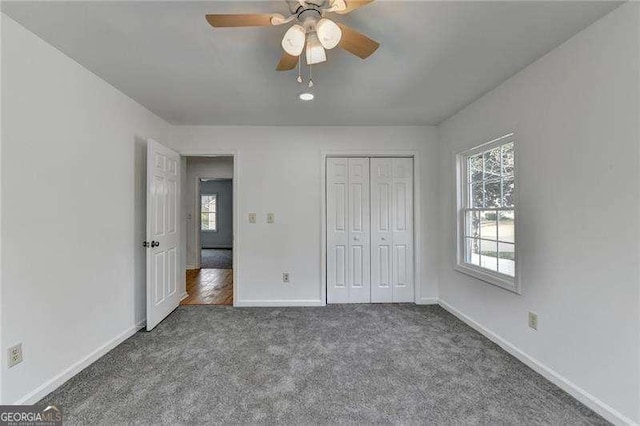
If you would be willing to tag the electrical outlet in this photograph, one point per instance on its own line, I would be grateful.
(252, 218)
(271, 217)
(533, 320)
(15, 355)
(285, 277)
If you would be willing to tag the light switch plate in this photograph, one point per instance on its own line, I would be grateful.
(252, 218)
(15, 355)
(271, 217)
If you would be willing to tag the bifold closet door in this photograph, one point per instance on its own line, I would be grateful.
(392, 230)
(348, 231)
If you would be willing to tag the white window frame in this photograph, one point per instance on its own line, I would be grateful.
(492, 277)
(215, 194)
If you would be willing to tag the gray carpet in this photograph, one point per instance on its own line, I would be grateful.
(335, 364)
(216, 259)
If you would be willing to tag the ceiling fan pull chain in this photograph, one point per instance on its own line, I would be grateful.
(310, 79)
(299, 71)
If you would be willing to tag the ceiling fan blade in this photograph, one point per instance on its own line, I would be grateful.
(255, 20)
(287, 62)
(352, 5)
(354, 42)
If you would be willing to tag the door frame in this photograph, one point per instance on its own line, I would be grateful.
(235, 213)
(196, 212)
(417, 217)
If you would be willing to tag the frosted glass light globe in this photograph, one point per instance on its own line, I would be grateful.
(315, 51)
(293, 40)
(329, 33)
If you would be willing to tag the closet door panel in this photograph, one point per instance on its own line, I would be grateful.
(402, 229)
(381, 230)
(337, 230)
(358, 214)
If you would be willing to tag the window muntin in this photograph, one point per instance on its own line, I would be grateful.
(209, 212)
(487, 219)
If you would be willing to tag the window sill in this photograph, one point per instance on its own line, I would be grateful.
(208, 230)
(497, 279)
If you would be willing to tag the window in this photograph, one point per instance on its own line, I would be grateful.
(486, 208)
(209, 212)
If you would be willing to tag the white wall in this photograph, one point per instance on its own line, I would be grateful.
(200, 167)
(280, 172)
(73, 273)
(575, 114)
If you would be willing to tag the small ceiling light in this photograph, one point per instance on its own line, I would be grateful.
(315, 51)
(293, 40)
(329, 33)
(306, 96)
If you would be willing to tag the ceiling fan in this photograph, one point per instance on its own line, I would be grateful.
(312, 32)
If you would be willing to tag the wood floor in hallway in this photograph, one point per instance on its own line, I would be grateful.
(209, 287)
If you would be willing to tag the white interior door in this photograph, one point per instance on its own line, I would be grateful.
(370, 230)
(337, 235)
(348, 235)
(359, 237)
(402, 230)
(381, 230)
(163, 232)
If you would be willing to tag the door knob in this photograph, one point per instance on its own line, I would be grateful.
(356, 239)
(155, 244)
(384, 239)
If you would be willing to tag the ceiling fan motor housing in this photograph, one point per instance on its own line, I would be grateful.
(296, 6)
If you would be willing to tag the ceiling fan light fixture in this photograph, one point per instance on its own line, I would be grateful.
(315, 51)
(329, 33)
(293, 40)
(306, 97)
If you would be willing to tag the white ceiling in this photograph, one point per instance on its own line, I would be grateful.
(436, 57)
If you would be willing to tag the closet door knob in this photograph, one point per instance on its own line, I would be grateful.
(356, 239)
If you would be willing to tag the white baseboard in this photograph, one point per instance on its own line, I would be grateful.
(277, 303)
(428, 301)
(192, 267)
(184, 296)
(554, 377)
(57, 381)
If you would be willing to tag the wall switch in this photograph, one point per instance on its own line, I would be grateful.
(271, 217)
(285, 277)
(252, 218)
(15, 355)
(533, 320)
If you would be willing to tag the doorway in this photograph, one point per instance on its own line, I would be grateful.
(209, 275)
